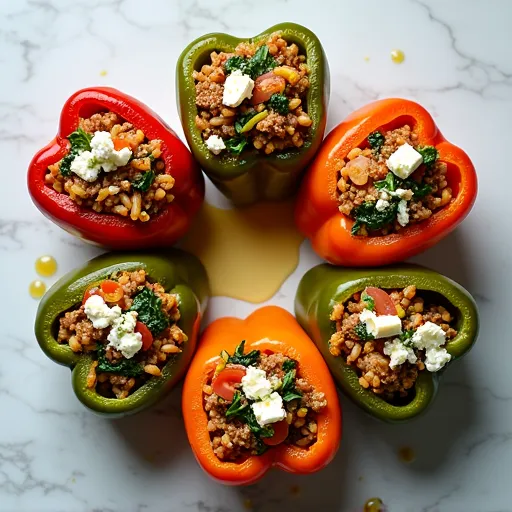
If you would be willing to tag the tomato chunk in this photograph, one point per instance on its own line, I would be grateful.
(120, 143)
(224, 382)
(91, 290)
(266, 85)
(280, 433)
(383, 303)
(147, 337)
(112, 291)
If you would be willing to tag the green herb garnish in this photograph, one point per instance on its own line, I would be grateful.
(234, 63)
(279, 103)
(362, 332)
(368, 215)
(239, 357)
(236, 144)
(125, 367)
(258, 65)
(376, 140)
(392, 183)
(149, 308)
(144, 181)
(236, 408)
(289, 364)
(429, 155)
(80, 141)
(288, 390)
(418, 189)
(406, 337)
(388, 183)
(368, 299)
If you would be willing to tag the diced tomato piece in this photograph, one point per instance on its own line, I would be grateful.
(120, 143)
(280, 433)
(147, 337)
(92, 290)
(112, 291)
(224, 382)
(383, 303)
(266, 85)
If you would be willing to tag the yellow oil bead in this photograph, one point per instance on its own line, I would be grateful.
(373, 505)
(397, 56)
(46, 266)
(37, 289)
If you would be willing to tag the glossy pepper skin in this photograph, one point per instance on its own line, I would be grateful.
(317, 213)
(107, 229)
(324, 286)
(251, 176)
(178, 271)
(226, 333)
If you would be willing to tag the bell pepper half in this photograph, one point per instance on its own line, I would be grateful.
(317, 213)
(179, 272)
(267, 329)
(324, 286)
(252, 176)
(112, 230)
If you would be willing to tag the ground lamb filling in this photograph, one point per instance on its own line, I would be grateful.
(112, 374)
(138, 188)
(372, 358)
(380, 202)
(235, 431)
(273, 114)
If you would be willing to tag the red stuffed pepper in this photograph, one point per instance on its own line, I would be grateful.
(116, 174)
(384, 186)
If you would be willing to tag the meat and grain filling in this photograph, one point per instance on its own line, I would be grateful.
(364, 179)
(137, 189)
(236, 437)
(372, 358)
(275, 116)
(112, 374)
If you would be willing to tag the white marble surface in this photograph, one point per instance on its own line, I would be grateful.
(56, 456)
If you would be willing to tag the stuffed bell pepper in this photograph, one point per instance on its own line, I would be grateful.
(387, 334)
(258, 394)
(127, 326)
(385, 185)
(116, 174)
(254, 110)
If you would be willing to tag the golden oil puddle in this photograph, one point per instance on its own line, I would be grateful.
(46, 266)
(374, 505)
(37, 289)
(397, 56)
(406, 454)
(249, 252)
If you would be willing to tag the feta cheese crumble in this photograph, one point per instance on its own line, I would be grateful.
(215, 144)
(403, 213)
(398, 353)
(269, 410)
(436, 358)
(255, 384)
(404, 161)
(99, 313)
(429, 335)
(84, 166)
(381, 205)
(122, 336)
(237, 88)
(382, 326)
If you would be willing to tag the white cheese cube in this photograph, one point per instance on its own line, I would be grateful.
(436, 358)
(215, 144)
(237, 88)
(403, 213)
(269, 410)
(398, 353)
(99, 313)
(255, 384)
(404, 161)
(382, 326)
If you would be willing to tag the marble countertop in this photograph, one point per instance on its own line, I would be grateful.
(56, 456)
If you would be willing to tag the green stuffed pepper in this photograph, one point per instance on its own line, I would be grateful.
(126, 324)
(254, 110)
(387, 334)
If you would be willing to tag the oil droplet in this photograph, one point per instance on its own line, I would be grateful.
(374, 505)
(248, 253)
(37, 289)
(367, 59)
(46, 266)
(406, 454)
(397, 56)
(103, 72)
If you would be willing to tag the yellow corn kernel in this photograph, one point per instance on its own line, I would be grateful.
(301, 413)
(400, 311)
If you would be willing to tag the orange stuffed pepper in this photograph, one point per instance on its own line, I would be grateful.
(384, 186)
(259, 394)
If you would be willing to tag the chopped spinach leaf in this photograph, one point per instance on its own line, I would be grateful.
(125, 367)
(376, 140)
(368, 215)
(80, 140)
(239, 357)
(243, 120)
(406, 336)
(259, 64)
(429, 155)
(288, 390)
(389, 182)
(289, 364)
(362, 332)
(65, 164)
(234, 63)
(392, 183)
(246, 414)
(144, 181)
(149, 308)
(279, 103)
(236, 144)
(418, 189)
(370, 303)
(236, 408)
